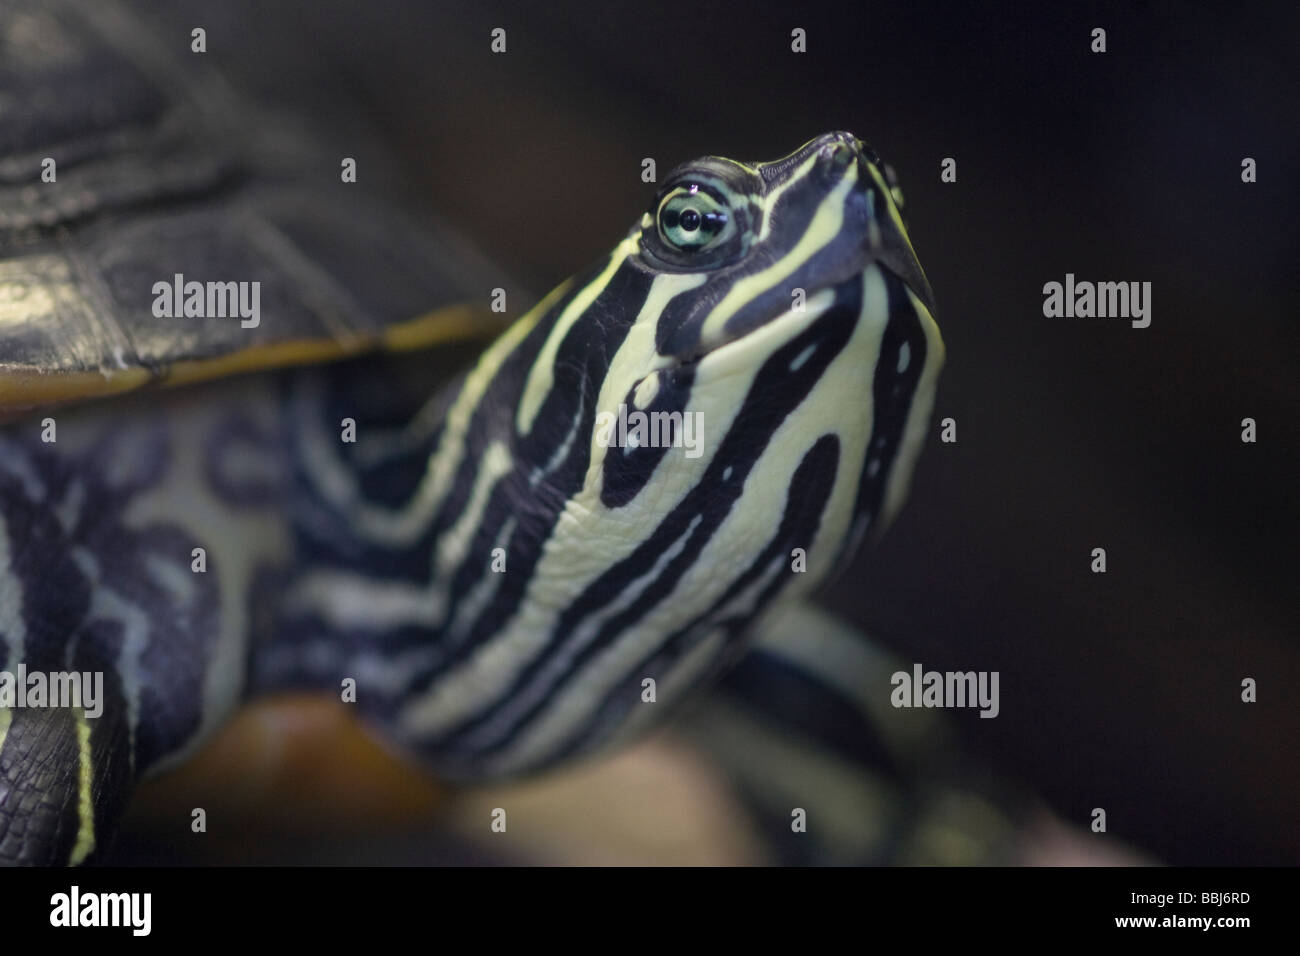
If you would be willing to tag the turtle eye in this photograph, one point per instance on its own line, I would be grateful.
(690, 219)
(697, 222)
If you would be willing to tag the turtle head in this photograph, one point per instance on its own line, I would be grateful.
(780, 308)
(745, 246)
(707, 419)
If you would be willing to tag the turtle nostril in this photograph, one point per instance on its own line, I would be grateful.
(838, 154)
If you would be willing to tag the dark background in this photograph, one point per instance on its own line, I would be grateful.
(1120, 690)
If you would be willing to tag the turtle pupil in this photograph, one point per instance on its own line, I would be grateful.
(690, 220)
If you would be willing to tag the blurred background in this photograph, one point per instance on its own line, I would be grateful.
(1120, 690)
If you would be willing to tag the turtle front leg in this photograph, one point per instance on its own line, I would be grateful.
(130, 546)
(64, 779)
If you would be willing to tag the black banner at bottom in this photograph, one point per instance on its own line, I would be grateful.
(338, 904)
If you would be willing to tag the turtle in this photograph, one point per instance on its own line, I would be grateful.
(266, 430)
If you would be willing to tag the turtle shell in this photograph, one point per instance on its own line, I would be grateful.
(165, 178)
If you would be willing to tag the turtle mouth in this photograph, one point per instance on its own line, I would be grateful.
(894, 252)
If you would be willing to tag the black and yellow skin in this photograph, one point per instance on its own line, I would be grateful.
(625, 564)
(496, 578)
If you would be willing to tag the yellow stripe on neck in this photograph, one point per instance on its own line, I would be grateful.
(85, 844)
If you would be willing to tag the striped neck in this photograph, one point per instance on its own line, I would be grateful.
(561, 566)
